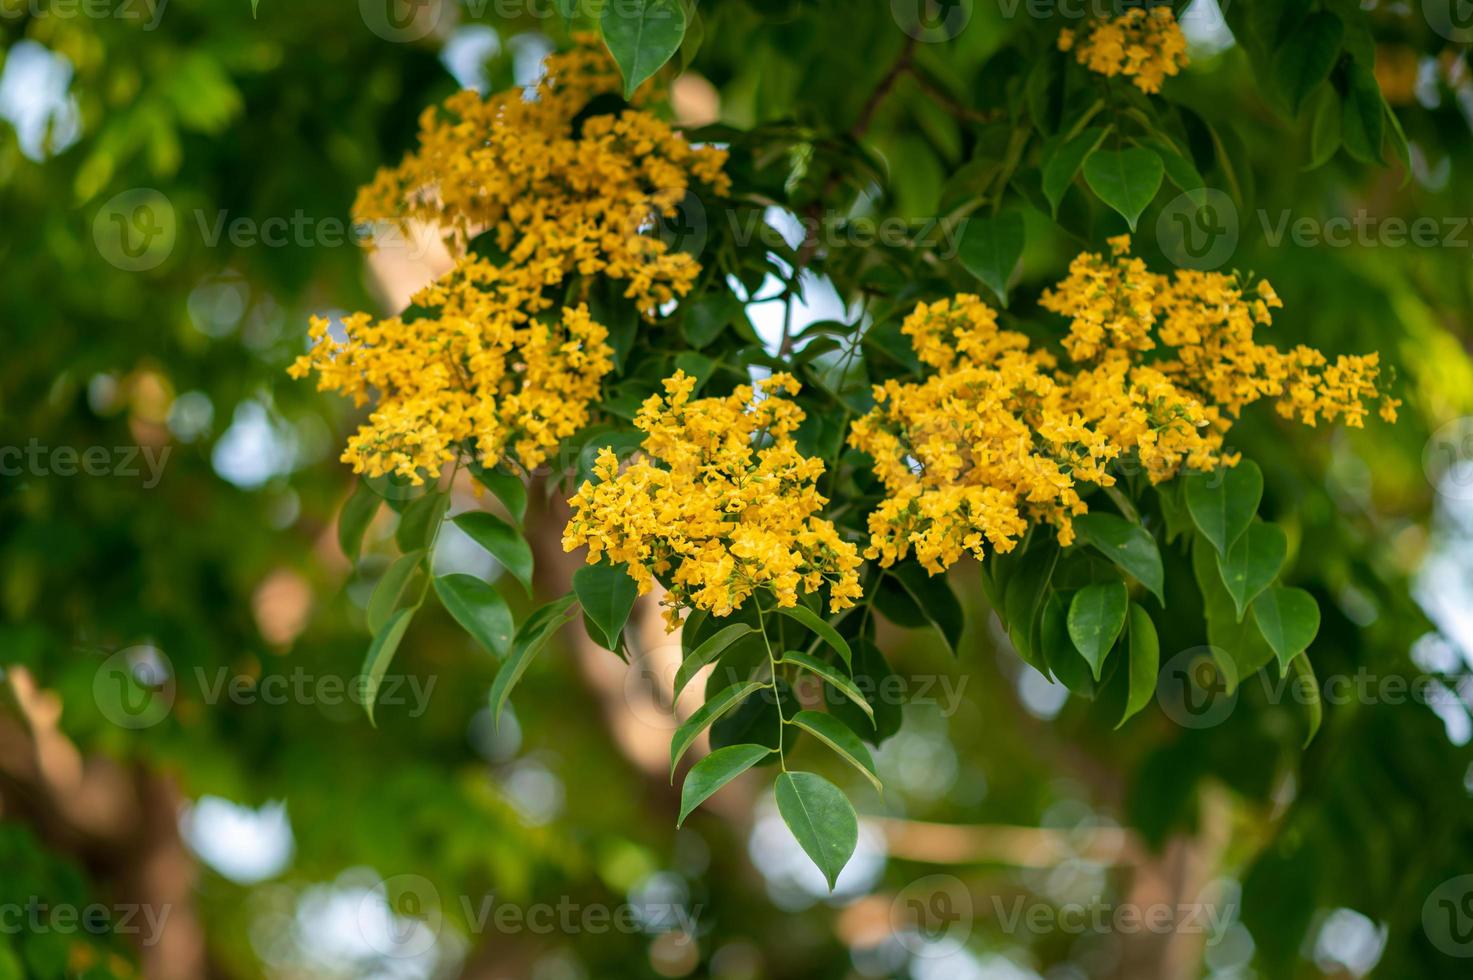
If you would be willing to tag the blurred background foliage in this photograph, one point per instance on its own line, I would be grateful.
(268, 830)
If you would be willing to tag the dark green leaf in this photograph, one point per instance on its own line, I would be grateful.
(1303, 60)
(479, 609)
(714, 772)
(642, 35)
(821, 819)
(1363, 115)
(708, 651)
(420, 520)
(1096, 617)
(827, 633)
(1145, 661)
(933, 596)
(607, 594)
(1222, 503)
(1066, 662)
(1126, 180)
(990, 250)
(505, 543)
(1063, 164)
(1127, 544)
(1289, 619)
(357, 513)
(380, 654)
(505, 487)
(833, 676)
(1304, 674)
(716, 706)
(529, 641)
(841, 738)
(1252, 563)
(391, 588)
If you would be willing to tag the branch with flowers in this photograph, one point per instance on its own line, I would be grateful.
(780, 498)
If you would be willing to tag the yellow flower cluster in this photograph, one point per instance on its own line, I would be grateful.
(473, 365)
(550, 189)
(1145, 46)
(482, 356)
(1001, 436)
(719, 504)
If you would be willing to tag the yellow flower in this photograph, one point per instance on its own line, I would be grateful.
(719, 504)
(1143, 46)
(1000, 436)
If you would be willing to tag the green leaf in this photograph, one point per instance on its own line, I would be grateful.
(705, 318)
(990, 249)
(505, 543)
(529, 641)
(1127, 544)
(1222, 503)
(418, 523)
(708, 651)
(833, 676)
(1324, 134)
(1252, 563)
(380, 654)
(1289, 619)
(642, 35)
(1303, 60)
(714, 772)
(357, 513)
(1363, 115)
(607, 594)
(934, 597)
(390, 589)
(505, 487)
(479, 609)
(1145, 661)
(1024, 598)
(1063, 164)
(1066, 662)
(1096, 617)
(1180, 170)
(872, 674)
(1304, 672)
(1126, 180)
(827, 633)
(841, 738)
(715, 706)
(821, 819)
